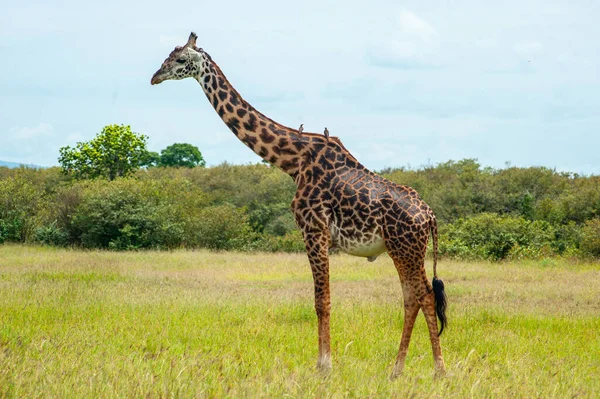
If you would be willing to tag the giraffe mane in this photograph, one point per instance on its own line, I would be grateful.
(232, 88)
(175, 50)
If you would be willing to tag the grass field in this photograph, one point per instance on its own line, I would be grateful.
(200, 324)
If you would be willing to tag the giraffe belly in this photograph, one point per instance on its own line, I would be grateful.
(368, 245)
(371, 249)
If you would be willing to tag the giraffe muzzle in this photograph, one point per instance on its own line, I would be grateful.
(157, 78)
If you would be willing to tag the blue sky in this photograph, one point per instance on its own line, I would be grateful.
(400, 82)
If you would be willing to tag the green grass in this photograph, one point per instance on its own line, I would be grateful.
(199, 324)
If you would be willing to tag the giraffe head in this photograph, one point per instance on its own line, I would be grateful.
(183, 62)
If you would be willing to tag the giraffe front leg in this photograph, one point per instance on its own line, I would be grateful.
(316, 246)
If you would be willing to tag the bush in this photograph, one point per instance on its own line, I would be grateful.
(121, 215)
(265, 192)
(20, 200)
(63, 206)
(494, 237)
(567, 238)
(484, 213)
(51, 235)
(224, 227)
(282, 225)
(590, 238)
(291, 242)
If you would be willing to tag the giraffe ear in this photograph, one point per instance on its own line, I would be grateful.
(192, 40)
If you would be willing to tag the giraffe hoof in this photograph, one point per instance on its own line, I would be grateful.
(440, 373)
(396, 372)
(324, 364)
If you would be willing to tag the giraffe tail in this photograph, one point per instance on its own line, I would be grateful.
(441, 301)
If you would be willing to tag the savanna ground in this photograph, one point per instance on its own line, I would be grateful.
(201, 324)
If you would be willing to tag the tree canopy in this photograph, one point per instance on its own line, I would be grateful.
(116, 151)
(181, 155)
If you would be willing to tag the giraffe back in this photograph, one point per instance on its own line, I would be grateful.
(358, 208)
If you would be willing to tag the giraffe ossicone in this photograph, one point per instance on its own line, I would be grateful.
(192, 40)
(338, 202)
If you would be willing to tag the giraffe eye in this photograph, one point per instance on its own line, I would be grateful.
(180, 61)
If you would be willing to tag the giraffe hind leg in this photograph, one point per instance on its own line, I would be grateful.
(411, 310)
(418, 295)
(428, 305)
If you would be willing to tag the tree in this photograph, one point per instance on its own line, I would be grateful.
(181, 155)
(152, 159)
(115, 152)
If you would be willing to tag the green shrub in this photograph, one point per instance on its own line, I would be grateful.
(590, 238)
(20, 200)
(62, 206)
(265, 192)
(282, 225)
(51, 234)
(567, 238)
(490, 236)
(224, 227)
(484, 213)
(182, 201)
(291, 242)
(519, 252)
(121, 215)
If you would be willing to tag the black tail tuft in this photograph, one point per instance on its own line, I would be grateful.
(440, 302)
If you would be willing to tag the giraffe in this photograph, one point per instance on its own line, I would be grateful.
(338, 203)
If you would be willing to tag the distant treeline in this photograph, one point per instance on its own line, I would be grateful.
(483, 212)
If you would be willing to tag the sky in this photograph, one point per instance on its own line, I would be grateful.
(402, 83)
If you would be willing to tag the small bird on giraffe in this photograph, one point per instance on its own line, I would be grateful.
(326, 133)
(301, 129)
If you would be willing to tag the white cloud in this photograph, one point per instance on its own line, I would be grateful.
(406, 42)
(27, 133)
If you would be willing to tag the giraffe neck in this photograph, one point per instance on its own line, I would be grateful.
(275, 143)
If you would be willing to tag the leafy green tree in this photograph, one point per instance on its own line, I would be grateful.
(181, 155)
(115, 152)
(152, 159)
